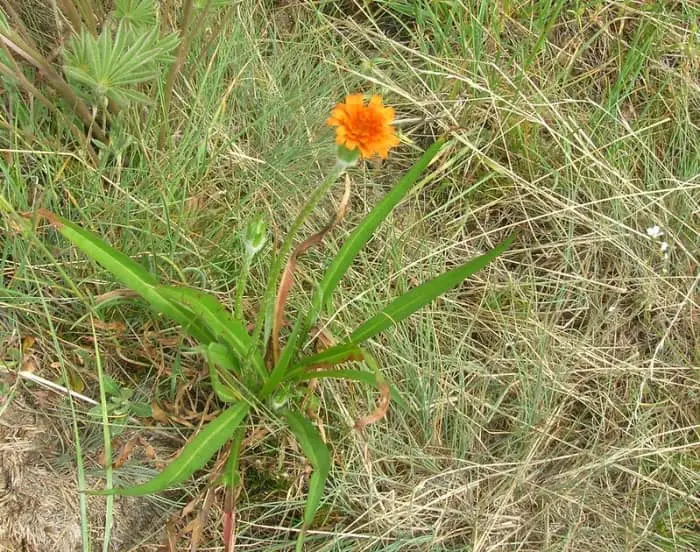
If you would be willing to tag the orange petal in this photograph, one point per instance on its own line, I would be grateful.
(354, 99)
(388, 114)
(339, 112)
(376, 101)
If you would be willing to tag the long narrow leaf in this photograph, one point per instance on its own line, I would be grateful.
(193, 457)
(218, 319)
(333, 355)
(280, 368)
(407, 304)
(319, 456)
(129, 273)
(416, 298)
(218, 355)
(364, 231)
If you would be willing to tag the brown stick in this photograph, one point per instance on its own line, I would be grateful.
(379, 412)
(29, 88)
(71, 14)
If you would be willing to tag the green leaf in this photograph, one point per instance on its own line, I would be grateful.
(333, 355)
(364, 231)
(317, 452)
(285, 359)
(111, 385)
(218, 354)
(222, 356)
(112, 64)
(219, 321)
(130, 274)
(232, 473)
(140, 409)
(136, 13)
(193, 457)
(416, 298)
(353, 375)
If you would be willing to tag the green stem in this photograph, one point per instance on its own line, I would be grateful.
(107, 438)
(265, 315)
(240, 287)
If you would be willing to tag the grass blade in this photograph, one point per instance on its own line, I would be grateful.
(364, 231)
(317, 452)
(129, 273)
(193, 457)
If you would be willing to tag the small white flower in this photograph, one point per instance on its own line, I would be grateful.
(654, 231)
(664, 246)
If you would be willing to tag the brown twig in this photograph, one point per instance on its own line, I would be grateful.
(72, 14)
(379, 412)
(32, 90)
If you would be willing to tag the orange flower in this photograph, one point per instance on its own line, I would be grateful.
(365, 127)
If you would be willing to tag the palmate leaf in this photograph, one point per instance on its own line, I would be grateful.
(194, 455)
(136, 13)
(130, 274)
(317, 452)
(361, 235)
(410, 302)
(111, 65)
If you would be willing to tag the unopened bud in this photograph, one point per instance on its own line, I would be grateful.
(255, 236)
(347, 157)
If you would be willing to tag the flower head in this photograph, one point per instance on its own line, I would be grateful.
(365, 127)
(655, 231)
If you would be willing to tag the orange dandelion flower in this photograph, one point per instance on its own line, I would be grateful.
(368, 128)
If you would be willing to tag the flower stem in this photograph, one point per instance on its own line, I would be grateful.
(264, 321)
(240, 287)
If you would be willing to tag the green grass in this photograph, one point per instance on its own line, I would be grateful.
(552, 398)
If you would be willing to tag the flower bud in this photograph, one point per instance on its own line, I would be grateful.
(255, 236)
(347, 157)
